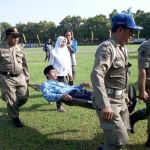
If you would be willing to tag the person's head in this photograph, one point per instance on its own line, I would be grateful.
(49, 40)
(61, 42)
(50, 73)
(12, 36)
(68, 35)
(123, 26)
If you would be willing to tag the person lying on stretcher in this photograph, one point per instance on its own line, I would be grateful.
(56, 91)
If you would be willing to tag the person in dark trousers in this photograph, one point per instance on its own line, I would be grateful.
(47, 47)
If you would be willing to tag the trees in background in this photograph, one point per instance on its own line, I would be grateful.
(87, 31)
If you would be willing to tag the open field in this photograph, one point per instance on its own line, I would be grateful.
(47, 129)
(88, 48)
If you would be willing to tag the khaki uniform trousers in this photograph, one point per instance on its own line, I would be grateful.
(116, 130)
(144, 113)
(148, 112)
(14, 92)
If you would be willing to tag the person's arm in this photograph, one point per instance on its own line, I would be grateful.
(73, 48)
(103, 61)
(143, 63)
(141, 84)
(25, 67)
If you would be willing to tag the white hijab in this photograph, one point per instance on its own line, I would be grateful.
(62, 53)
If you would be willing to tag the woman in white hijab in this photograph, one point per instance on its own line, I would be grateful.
(60, 60)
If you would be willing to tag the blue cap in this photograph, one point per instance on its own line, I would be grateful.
(125, 20)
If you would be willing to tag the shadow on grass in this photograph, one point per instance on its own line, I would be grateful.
(27, 138)
(133, 57)
(36, 96)
(36, 61)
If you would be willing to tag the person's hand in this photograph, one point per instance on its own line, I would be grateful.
(127, 100)
(143, 95)
(27, 81)
(67, 97)
(106, 114)
(70, 78)
(86, 84)
(70, 48)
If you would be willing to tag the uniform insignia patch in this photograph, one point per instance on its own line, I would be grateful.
(104, 55)
(15, 30)
(143, 52)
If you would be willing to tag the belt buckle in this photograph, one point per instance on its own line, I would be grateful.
(8, 73)
(118, 92)
(109, 91)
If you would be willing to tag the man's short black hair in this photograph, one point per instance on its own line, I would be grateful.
(67, 31)
(115, 28)
(48, 68)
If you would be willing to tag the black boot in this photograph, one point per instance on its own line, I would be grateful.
(147, 144)
(17, 123)
(133, 119)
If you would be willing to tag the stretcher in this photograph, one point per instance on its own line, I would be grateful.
(88, 103)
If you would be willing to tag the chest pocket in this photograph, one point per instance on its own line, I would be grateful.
(119, 70)
(5, 56)
(19, 56)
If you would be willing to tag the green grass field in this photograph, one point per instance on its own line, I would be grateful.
(91, 47)
(47, 129)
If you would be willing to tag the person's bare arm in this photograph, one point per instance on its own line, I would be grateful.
(141, 84)
(67, 97)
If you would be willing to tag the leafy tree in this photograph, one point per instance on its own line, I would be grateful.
(114, 12)
(3, 27)
(128, 11)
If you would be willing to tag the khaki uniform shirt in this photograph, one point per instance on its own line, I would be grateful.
(109, 71)
(13, 60)
(144, 61)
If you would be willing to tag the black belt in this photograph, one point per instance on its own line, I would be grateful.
(9, 74)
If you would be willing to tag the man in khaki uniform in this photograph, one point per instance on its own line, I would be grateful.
(109, 80)
(143, 87)
(14, 75)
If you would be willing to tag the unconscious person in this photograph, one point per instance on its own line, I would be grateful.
(54, 91)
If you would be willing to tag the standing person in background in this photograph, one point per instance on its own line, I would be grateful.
(47, 47)
(72, 47)
(109, 78)
(60, 60)
(14, 75)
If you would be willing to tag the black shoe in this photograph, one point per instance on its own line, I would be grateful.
(133, 120)
(132, 131)
(147, 144)
(17, 123)
(100, 148)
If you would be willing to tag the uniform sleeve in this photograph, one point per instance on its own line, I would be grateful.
(25, 66)
(74, 46)
(79, 87)
(103, 60)
(144, 56)
(48, 95)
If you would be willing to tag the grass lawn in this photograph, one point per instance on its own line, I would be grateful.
(91, 47)
(47, 129)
